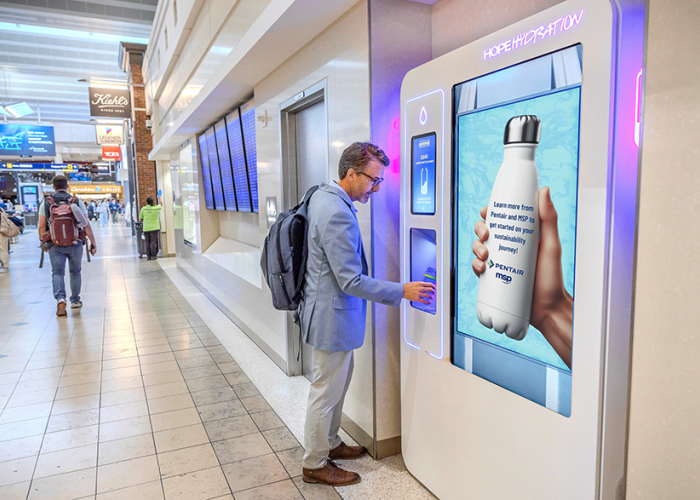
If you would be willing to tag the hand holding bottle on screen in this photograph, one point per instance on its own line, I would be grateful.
(552, 306)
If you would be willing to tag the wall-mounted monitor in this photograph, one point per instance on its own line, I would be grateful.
(27, 140)
(216, 182)
(248, 122)
(227, 181)
(238, 161)
(206, 173)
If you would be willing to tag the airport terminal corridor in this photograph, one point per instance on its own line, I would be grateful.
(136, 396)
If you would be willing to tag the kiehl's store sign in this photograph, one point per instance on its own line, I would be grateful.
(110, 102)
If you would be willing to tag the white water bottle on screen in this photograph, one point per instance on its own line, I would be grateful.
(424, 180)
(506, 286)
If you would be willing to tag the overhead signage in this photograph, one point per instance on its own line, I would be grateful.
(113, 153)
(531, 37)
(95, 189)
(109, 134)
(27, 140)
(42, 167)
(110, 102)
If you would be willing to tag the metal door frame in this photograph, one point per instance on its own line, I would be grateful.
(315, 94)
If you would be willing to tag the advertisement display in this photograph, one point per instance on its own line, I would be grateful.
(423, 174)
(110, 102)
(109, 134)
(27, 140)
(516, 181)
(112, 153)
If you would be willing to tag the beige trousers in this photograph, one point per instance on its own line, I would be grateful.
(331, 375)
(4, 255)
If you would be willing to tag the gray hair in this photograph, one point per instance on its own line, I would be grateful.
(358, 155)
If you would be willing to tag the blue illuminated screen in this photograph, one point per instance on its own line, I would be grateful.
(206, 174)
(538, 366)
(250, 153)
(27, 140)
(215, 170)
(235, 143)
(423, 174)
(225, 165)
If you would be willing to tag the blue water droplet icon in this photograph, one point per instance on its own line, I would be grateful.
(423, 117)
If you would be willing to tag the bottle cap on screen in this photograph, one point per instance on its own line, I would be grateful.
(519, 129)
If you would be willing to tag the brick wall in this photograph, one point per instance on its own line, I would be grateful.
(141, 138)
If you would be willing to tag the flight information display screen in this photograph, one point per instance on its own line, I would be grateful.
(215, 170)
(248, 119)
(206, 173)
(227, 180)
(240, 175)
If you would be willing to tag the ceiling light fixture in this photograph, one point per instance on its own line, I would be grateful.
(19, 109)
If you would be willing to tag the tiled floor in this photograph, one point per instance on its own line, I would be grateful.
(149, 392)
(132, 397)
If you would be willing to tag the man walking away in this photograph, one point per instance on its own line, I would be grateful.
(50, 211)
(150, 215)
(333, 311)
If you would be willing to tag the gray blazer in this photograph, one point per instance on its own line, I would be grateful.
(337, 287)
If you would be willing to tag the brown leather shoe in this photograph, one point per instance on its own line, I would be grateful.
(61, 309)
(345, 452)
(331, 475)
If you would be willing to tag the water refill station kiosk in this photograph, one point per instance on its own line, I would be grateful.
(519, 191)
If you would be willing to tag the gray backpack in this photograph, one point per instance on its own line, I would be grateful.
(283, 259)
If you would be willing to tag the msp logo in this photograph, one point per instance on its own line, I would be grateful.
(504, 278)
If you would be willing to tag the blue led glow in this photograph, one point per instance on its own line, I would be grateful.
(440, 263)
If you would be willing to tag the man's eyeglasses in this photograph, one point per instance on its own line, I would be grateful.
(375, 180)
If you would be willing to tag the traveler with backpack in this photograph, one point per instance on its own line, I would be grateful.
(332, 299)
(63, 227)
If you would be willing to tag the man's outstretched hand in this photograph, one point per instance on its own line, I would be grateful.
(419, 291)
(552, 306)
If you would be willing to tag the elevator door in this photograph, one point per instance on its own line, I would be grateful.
(305, 164)
(312, 169)
(311, 147)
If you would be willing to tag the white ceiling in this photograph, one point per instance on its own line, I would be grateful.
(46, 47)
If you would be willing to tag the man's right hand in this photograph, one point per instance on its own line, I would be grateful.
(419, 291)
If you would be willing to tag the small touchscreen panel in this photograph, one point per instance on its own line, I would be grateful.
(423, 174)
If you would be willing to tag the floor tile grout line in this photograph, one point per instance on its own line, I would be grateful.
(48, 420)
(247, 413)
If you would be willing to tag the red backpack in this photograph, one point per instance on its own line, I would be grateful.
(63, 227)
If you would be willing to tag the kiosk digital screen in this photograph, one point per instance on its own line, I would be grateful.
(216, 182)
(248, 121)
(206, 174)
(514, 224)
(227, 181)
(423, 174)
(235, 143)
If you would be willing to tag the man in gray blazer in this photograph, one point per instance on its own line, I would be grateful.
(333, 311)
